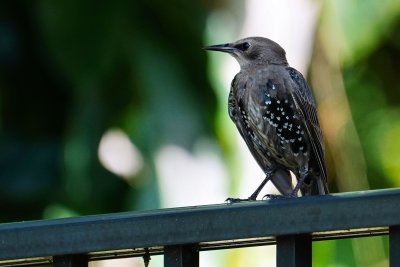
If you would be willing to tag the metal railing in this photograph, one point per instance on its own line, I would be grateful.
(180, 234)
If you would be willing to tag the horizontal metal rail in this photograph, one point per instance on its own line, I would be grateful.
(199, 228)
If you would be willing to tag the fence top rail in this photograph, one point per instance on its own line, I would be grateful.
(258, 220)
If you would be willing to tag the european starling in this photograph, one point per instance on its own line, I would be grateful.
(274, 111)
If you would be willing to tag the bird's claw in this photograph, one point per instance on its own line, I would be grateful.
(272, 196)
(231, 200)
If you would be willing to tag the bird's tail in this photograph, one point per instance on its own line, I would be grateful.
(314, 185)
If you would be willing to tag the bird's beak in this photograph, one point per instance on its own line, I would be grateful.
(227, 48)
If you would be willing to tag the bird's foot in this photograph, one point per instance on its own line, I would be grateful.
(272, 196)
(231, 200)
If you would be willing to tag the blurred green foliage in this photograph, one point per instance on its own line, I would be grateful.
(373, 89)
(70, 70)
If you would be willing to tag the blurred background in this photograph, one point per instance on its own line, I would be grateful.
(111, 106)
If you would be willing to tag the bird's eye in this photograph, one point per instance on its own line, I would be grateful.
(243, 46)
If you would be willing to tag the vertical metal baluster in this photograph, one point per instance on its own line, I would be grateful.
(294, 251)
(79, 260)
(181, 256)
(394, 246)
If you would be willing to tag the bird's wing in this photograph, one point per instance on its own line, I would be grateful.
(306, 107)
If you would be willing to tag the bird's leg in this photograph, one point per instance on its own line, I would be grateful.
(268, 176)
(303, 172)
(253, 197)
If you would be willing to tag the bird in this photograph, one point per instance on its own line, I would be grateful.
(274, 111)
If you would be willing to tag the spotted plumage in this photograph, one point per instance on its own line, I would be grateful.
(274, 111)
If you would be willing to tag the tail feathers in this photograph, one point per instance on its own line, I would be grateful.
(314, 186)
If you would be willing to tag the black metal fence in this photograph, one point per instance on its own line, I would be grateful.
(180, 234)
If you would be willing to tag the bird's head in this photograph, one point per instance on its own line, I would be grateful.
(253, 51)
